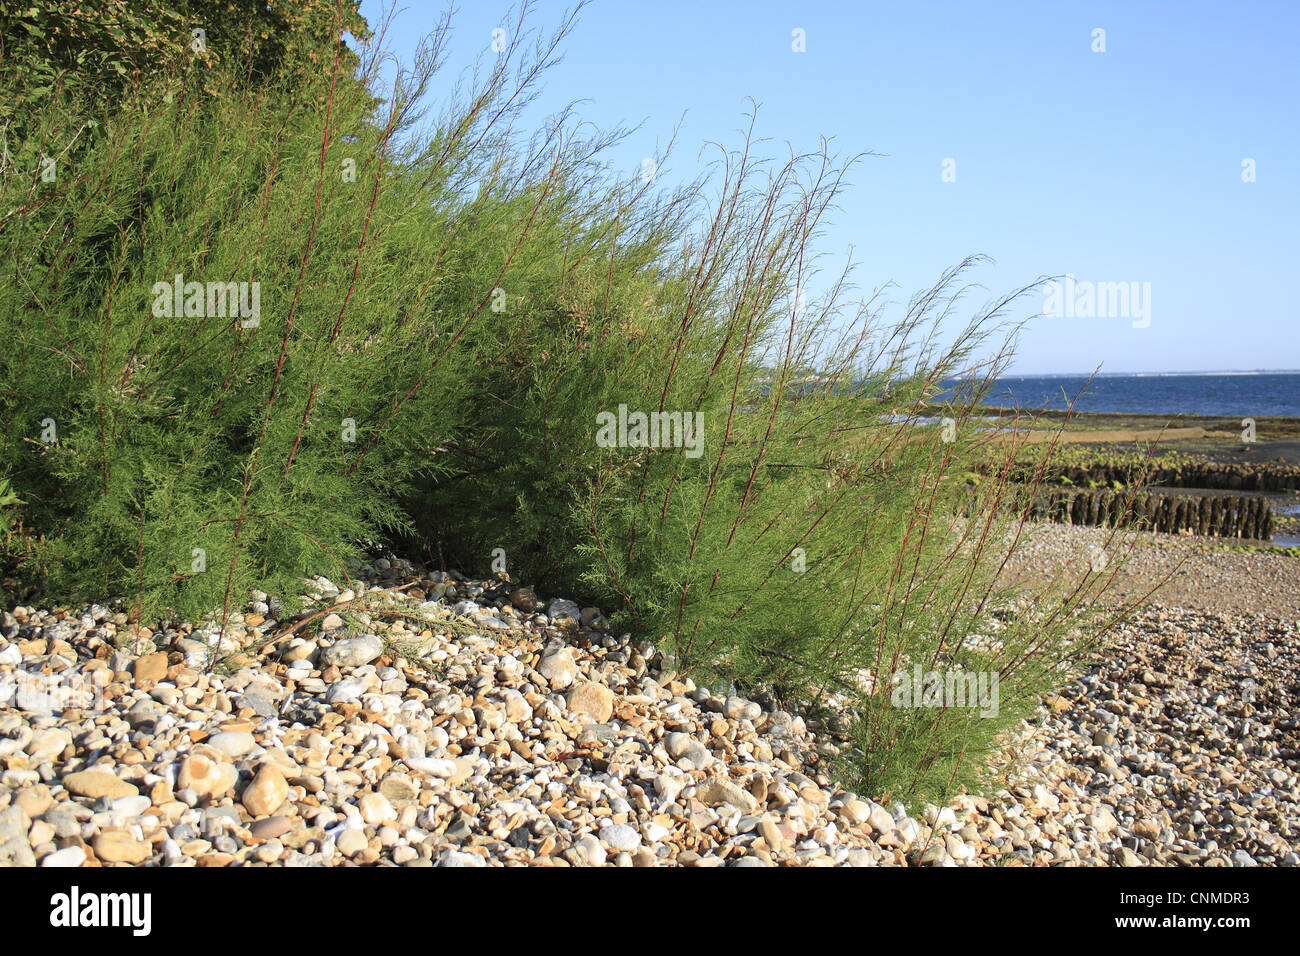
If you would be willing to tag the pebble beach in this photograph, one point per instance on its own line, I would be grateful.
(445, 721)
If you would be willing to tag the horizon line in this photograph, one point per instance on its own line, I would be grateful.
(1250, 371)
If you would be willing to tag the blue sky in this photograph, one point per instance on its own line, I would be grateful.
(1115, 166)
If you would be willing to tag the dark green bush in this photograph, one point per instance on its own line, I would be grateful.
(180, 458)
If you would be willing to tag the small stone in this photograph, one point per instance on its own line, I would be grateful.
(65, 824)
(142, 714)
(1042, 796)
(233, 743)
(353, 652)
(267, 792)
(132, 806)
(408, 746)
(684, 747)
(96, 784)
(115, 845)
(1126, 857)
(958, 849)
(299, 652)
(518, 710)
(405, 854)
(595, 700)
(524, 599)
(1103, 821)
(620, 836)
(559, 668)
(432, 766)
(48, 744)
(668, 787)
(351, 842)
(149, 669)
(935, 853)
(856, 811)
(40, 833)
(592, 618)
(269, 828)
(206, 777)
(771, 834)
(345, 691)
(941, 818)
(654, 833)
(69, 856)
(376, 809)
(16, 852)
(1147, 829)
(458, 858)
(591, 850)
(398, 788)
(331, 622)
(563, 613)
(34, 800)
(715, 791)
(260, 700)
(678, 744)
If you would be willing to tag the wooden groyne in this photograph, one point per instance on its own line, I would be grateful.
(1219, 477)
(1227, 516)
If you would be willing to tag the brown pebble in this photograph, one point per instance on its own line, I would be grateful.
(269, 828)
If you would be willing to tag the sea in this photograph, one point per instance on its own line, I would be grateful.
(1244, 394)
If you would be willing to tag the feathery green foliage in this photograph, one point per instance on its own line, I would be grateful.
(455, 323)
(181, 456)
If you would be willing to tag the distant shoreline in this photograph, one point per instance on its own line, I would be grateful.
(1218, 438)
(1209, 422)
(1257, 371)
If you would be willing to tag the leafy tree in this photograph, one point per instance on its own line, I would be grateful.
(102, 51)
